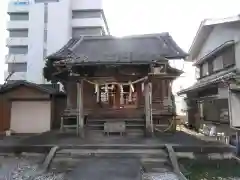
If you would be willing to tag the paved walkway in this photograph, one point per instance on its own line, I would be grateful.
(102, 169)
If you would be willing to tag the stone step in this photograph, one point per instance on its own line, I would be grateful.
(113, 151)
(127, 125)
(161, 167)
(160, 176)
(113, 119)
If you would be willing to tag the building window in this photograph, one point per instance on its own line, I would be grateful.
(229, 57)
(17, 67)
(197, 72)
(218, 63)
(86, 14)
(205, 69)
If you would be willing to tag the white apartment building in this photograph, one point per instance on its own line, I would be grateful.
(34, 34)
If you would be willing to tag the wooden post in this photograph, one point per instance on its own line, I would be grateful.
(169, 89)
(148, 109)
(130, 92)
(69, 101)
(146, 92)
(163, 89)
(80, 117)
(121, 95)
(97, 90)
(237, 143)
(106, 90)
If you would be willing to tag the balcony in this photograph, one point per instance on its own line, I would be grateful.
(17, 41)
(15, 58)
(15, 76)
(86, 4)
(11, 25)
(88, 22)
(18, 6)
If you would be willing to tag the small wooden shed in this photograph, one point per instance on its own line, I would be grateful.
(27, 107)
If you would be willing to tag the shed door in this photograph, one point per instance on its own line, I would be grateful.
(30, 116)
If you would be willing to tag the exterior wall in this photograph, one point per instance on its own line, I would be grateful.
(27, 24)
(220, 34)
(59, 33)
(234, 103)
(35, 61)
(5, 111)
(86, 4)
(237, 55)
(222, 92)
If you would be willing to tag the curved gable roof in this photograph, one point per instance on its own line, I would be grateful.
(132, 48)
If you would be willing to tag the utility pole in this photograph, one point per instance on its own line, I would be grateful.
(45, 2)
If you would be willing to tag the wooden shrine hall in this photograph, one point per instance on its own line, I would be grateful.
(117, 85)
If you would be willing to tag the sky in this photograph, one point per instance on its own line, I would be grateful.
(181, 18)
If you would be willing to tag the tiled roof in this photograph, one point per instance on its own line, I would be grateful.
(98, 49)
(216, 78)
(48, 88)
(216, 51)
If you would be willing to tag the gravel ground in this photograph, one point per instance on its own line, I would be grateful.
(25, 168)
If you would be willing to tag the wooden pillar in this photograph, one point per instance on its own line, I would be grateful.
(169, 89)
(80, 117)
(148, 108)
(69, 101)
(97, 90)
(117, 102)
(121, 95)
(139, 94)
(163, 89)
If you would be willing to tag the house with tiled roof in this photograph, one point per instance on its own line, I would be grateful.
(215, 53)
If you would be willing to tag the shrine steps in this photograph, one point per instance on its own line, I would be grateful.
(153, 161)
